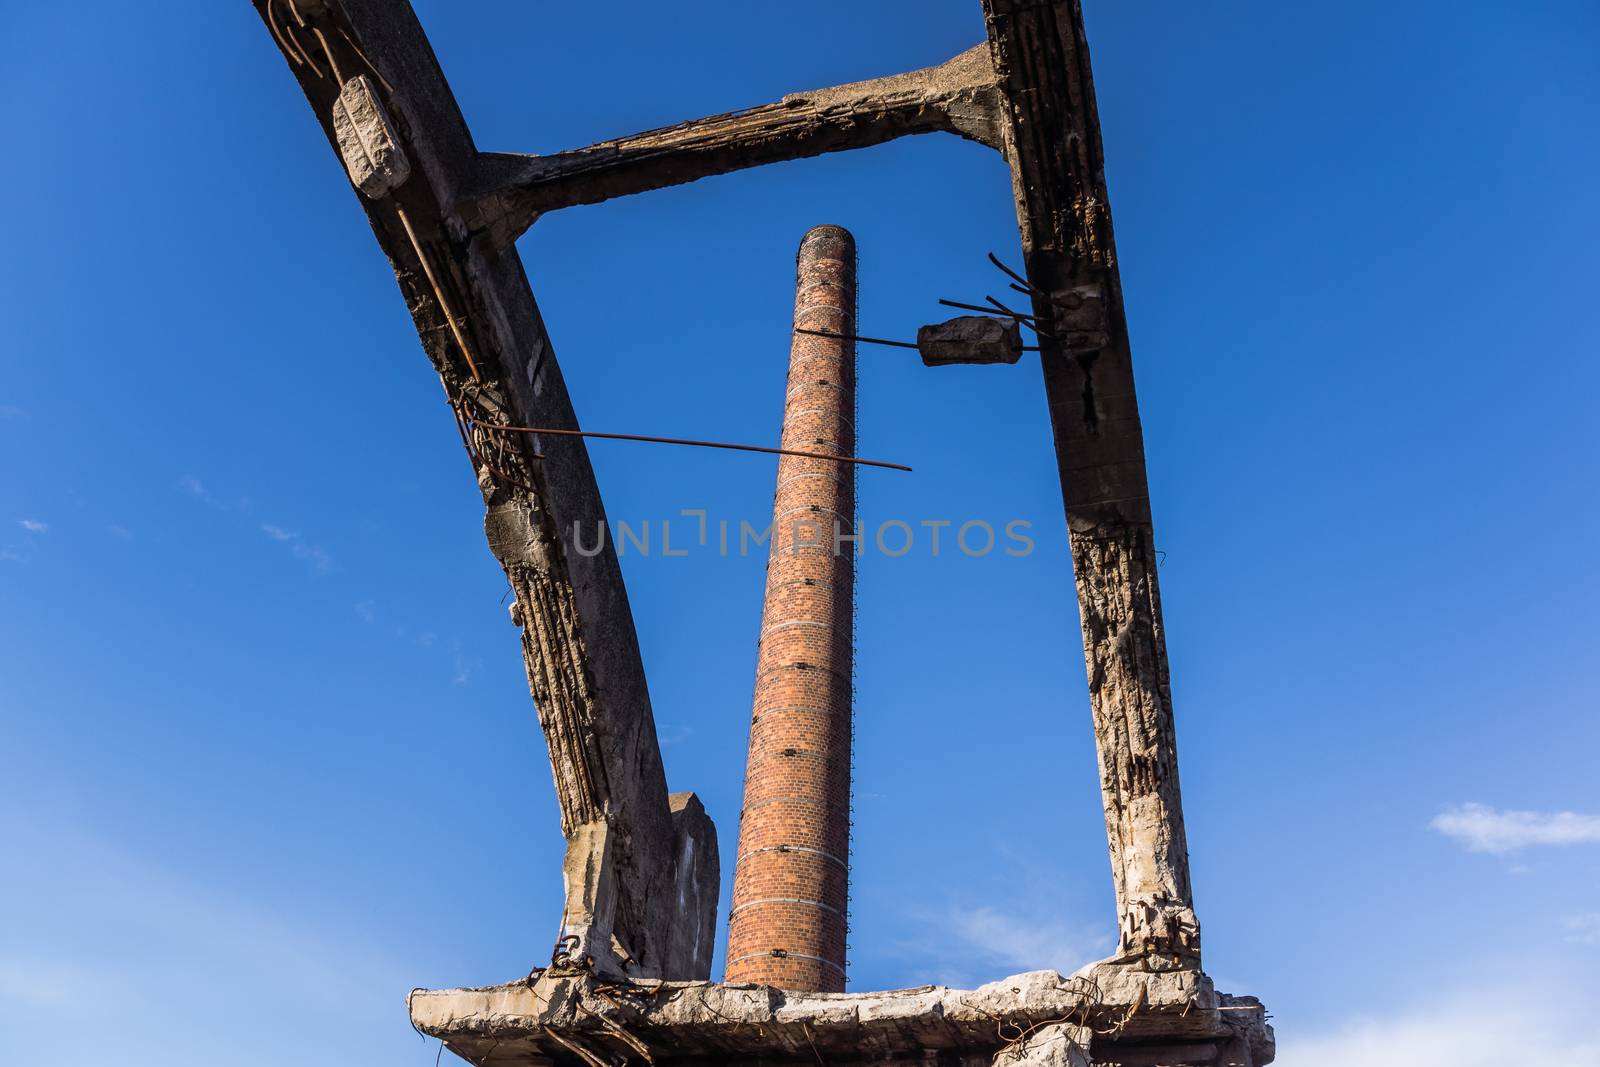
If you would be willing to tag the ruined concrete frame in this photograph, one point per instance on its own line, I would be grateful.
(449, 228)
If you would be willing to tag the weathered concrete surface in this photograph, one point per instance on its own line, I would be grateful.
(1052, 138)
(970, 339)
(698, 871)
(553, 1019)
(367, 141)
(1050, 1045)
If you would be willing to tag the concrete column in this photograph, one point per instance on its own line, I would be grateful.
(791, 880)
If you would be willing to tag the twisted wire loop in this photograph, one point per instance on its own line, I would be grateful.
(1088, 1010)
(497, 455)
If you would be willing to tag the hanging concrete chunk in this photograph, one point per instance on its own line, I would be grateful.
(367, 141)
(970, 339)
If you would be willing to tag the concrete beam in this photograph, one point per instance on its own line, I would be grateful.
(1052, 140)
(958, 96)
(372, 81)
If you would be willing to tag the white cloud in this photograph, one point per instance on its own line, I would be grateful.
(196, 488)
(464, 669)
(33, 525)
(299, 547)
(1486, 1027)
(10, 412)
(1485, 829)
(366, 610)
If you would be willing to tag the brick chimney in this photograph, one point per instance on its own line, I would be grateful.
(791, 880)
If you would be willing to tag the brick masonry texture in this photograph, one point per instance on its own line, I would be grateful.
(791, 881)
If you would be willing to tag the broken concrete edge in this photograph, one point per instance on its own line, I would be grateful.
(1121, 1005)
(697, 880)
(590, 875)
(1053, 1045)
(974, 339)
(368, 144)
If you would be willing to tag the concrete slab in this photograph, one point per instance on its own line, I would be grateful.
(1122, 1014)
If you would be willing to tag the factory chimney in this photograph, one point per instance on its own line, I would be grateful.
(791, 880)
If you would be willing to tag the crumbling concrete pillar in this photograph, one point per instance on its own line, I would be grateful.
(1051, 137)
(378, 92)
(790, 887)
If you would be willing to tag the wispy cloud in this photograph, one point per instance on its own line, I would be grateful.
(33, 525)
(299, 547)
(464, 669)
(669, 734)
(1583, 929)
(196, 488)
(169, 944)
(1019, 941)
(306, 551)
(366, 611)
(119, 531)
(11, 413)
(41, 983)
(1485, 829)
(966, 945)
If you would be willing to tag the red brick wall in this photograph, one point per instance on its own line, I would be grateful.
(790, 882)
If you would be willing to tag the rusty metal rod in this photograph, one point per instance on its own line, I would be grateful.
(853, 337)
(272, 24)
(361, 55)
(438, 294)
(327, 50)
(968, 307)
(304, 53)
(1030, 288)
(880, 341)
(1007, 311)
(1027, 320)
(697, 444)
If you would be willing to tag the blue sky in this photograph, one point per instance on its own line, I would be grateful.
(269, 759)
